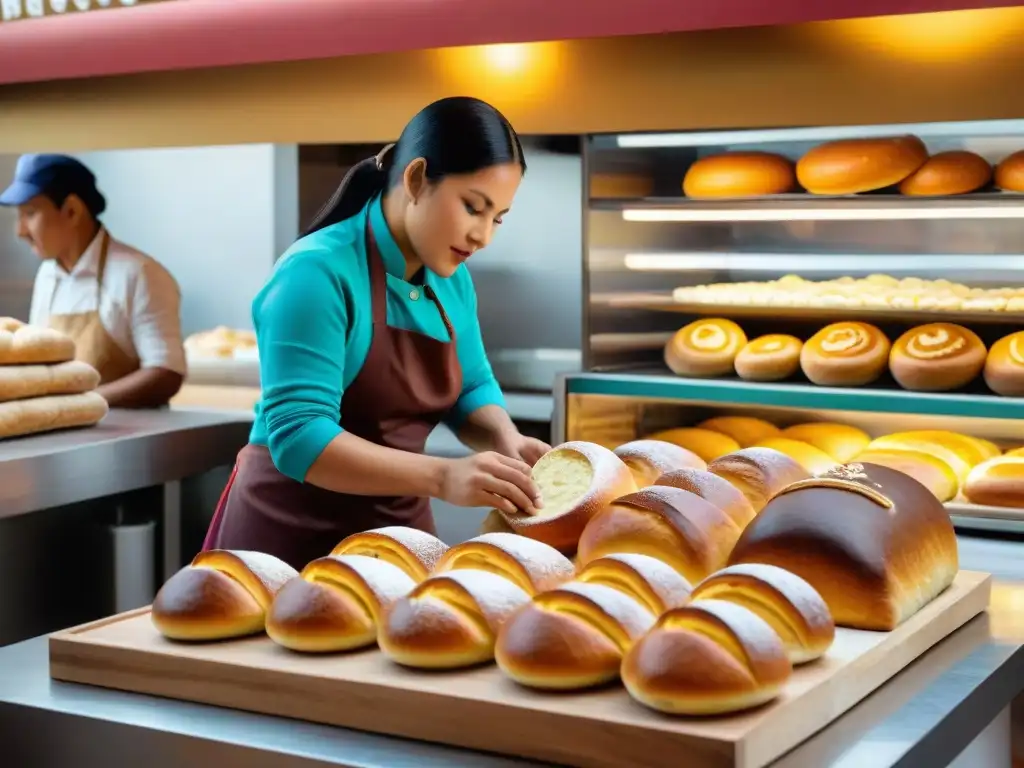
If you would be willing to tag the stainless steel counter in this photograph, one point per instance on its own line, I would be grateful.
(927, 716)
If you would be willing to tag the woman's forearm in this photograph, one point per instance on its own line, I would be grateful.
(485, 426)
(350, 464)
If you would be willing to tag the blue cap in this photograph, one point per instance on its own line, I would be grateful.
(56, 177)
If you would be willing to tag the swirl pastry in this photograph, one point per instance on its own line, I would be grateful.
(533, 566)
(705, 348)
(651, 582)
(649, 459)
(1004, 366)
(937, 357)
(846, 354)
(774, 357)
(415, 552)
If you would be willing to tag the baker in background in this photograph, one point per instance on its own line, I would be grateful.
(121, 307)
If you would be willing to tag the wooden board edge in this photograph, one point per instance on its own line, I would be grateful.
(106, 621)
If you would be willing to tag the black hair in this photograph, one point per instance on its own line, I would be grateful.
(91, 198)
(456, 135)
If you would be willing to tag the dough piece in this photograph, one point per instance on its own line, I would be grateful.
(46, 414)
(415, 552)
(531, 565)
(649, 459)
(705, 348)
(19, 382)
(22, 344)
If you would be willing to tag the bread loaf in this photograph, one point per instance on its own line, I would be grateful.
(221, 594)
(929, 470)
(956, 172)
(414, 551)
(840, 441)
(576, 481)
(1009, 175)
(706, 443)
(1004, 365)
(937, 357)
(649, 459)
(874, 543)
(846, 354)
(533, 566)
(814, 460)
(851, 166)
(571, 637)
(705, 347)
(972, 450)
(758, 473)
(716, 490)
(46, 414)
(739, 174)
(22, 344)
(673, 525)
(745, 430)
(450, 620)
(336, 604)
(791, 606)
(651, 582)
(774, 357)
(951, 454)
(998, 482)
(706, 658)
(18, 382)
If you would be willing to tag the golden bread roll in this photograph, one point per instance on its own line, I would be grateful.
(450, 620)
(998, 482)
(792, 607)
(884, 548)
(1004, 366)
(705, 348)
(840, 441)
(740, 174)
(415, 552)
(773, 357)
(706, 443)
(814, 460)
(673, 525)
(531, 565)
(714, 489)
(846, 354)
(851, 166)
(745, 430)
(649, 459)
(576, 481)
(1014, 452)
(336, 604)
(972, 450)
(571, 637)
(758, 473)
(1009, 175)
(959, 461)
(22, 344)
(956, 172)
(937, 357)
(929, 470)
(707, 658)
(221, 594)
(651, 582)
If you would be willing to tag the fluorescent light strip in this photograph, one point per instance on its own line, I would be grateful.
(900, 213)
(805, 262)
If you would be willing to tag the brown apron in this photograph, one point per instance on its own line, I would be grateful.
(93, 345)
(408, 383)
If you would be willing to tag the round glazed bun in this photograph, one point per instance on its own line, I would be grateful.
(997, 482)
(759, 473)
(221, 594)
(450, 620)
(846, 354)
(774, 357)
(948, 173)
(673, 525)
(649, 459)
(740, 174)
(576, 481)
(937, 357)
(840, 441)
(651, 582)
(713, 489)
(337, 603)
(707, 658)
(814, 460)
(415, 552)
(1009, 174)
(1004, 366)
(531, 565)
(571, 637)
(850, 166)
(929, 470)
(745, 430)
(706, 443)
(705, 347)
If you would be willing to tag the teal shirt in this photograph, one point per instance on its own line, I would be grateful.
(314, 325)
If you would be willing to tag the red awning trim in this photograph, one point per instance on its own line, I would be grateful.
(191, 34)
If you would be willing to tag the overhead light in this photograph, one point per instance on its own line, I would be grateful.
(825, 212)
(813, 262)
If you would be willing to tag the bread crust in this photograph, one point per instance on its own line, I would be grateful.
(414, 551)
(758, 473)
(649, 459)
(740, 174)
(852, 166)
(531, 565)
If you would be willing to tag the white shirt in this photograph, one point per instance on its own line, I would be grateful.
(140, 302)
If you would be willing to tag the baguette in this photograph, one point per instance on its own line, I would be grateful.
(46, 414)
(415, 552)
(533, 566)
(18, 382)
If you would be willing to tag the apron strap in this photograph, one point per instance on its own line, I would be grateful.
(444, 315)
(378, 279)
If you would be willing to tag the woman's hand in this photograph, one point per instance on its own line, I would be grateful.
(490, 480)
(517, 446)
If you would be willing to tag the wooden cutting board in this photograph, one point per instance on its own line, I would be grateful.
(481, 709)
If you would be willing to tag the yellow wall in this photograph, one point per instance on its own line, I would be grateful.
(953, 66)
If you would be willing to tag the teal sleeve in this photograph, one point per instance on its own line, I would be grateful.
(479, 387)
(301, 322)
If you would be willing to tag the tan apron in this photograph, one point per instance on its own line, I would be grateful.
(93, 345)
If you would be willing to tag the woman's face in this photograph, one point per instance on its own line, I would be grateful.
(449, 221)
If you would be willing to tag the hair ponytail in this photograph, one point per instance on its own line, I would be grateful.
(363, 180)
